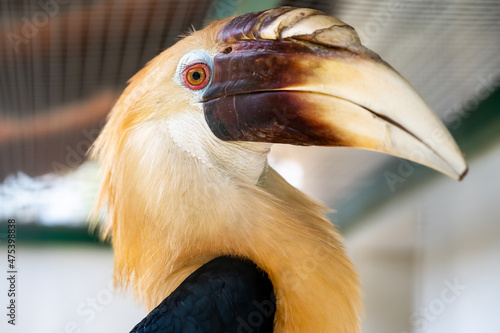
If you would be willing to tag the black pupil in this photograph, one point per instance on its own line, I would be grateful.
(196, 76)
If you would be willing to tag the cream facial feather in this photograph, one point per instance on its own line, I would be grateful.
(190, 132)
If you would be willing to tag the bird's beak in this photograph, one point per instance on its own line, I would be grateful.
(302, 93)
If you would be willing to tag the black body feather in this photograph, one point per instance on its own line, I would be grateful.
(224, 295)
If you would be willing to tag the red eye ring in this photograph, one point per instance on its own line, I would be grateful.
(196, 76)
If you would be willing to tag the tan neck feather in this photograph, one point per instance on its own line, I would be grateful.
(170, 214)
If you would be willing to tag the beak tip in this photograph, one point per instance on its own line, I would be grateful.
(462, 176)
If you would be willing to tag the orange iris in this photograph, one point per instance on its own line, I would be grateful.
(196, 76)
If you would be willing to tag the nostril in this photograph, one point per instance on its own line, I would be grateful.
(228, 50)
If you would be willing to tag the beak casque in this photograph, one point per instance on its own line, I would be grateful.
(298, 76)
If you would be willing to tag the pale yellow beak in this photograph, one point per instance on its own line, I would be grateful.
(377, 109)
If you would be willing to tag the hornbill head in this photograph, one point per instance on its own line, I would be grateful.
(184, 155)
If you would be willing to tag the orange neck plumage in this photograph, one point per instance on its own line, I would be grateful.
(170, 213)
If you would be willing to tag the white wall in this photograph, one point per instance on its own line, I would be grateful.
(67, 289)
(430, 260)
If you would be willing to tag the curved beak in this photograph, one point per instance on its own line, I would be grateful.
(302, 93)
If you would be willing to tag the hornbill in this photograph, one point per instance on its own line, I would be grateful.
(202, 227)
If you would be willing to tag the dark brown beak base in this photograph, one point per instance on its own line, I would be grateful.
(245, 101)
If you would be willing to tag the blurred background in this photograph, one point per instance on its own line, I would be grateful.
(427, 247)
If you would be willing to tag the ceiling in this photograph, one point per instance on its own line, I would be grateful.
(62, 68)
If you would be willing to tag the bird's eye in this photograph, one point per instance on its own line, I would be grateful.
(196, 76)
